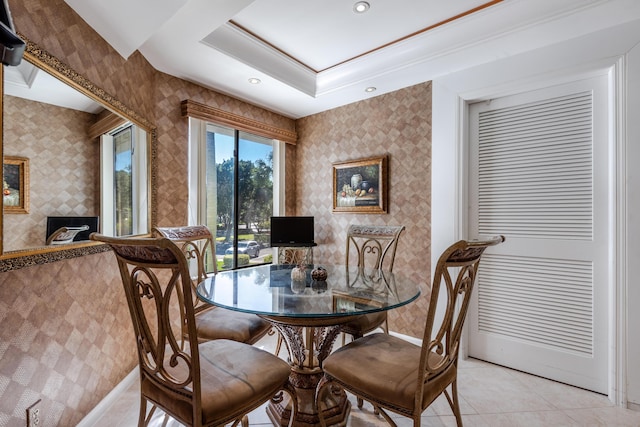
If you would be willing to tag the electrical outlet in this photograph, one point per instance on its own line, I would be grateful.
(34, 415)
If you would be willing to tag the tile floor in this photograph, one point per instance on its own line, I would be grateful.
(491, 396)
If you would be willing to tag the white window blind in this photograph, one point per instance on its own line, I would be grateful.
(535, 169)
(546, 302)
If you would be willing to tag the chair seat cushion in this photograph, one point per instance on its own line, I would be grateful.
(384, 368)
(219, 323)
(364, 324)
(235, 378)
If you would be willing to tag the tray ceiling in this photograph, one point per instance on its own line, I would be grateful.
(312, 56)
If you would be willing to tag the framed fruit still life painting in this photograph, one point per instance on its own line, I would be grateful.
(360, 186)
(15, 185)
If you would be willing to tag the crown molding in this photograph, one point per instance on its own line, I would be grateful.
(200, 111)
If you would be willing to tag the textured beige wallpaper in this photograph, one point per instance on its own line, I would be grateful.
(290, 179)
(64, 335)
(398, 125)
(55, 141)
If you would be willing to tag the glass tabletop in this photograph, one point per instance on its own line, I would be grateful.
(270, 291)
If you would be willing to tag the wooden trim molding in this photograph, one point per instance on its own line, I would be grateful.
(105, 124)
(44, 60)
(200, 111)
(29, 258)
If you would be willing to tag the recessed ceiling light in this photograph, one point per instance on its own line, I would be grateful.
(361, 7)
(254, 81)
(370, 89)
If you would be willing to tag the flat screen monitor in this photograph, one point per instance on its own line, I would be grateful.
(292, 231)
(55, 222)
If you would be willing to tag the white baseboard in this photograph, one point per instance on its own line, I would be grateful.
(412, 340)
(101, 408)
(633, 406)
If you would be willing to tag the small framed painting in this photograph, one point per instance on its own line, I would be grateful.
(360, 186)
(15, 185)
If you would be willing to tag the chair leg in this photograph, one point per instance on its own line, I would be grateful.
(379, 411)
(454, 402)
(143, 412)
(144, 418)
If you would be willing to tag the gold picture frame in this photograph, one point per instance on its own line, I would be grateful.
(360, 186)
(15, 185)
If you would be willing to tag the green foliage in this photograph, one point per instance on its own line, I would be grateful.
(268, 258)
(264, 225)
(224, 195)
(227, 261)
(263, 239)
(255, 183)
(124, 217)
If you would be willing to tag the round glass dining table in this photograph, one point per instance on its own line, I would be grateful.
(308, 313)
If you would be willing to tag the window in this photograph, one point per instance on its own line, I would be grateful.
(123, 182)
(234, 190)
(123, 164)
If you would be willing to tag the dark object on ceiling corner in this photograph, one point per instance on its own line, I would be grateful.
(11, 46)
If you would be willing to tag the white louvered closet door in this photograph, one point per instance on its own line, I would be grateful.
(539, 175)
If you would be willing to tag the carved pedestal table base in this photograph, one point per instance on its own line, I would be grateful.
(308, 346)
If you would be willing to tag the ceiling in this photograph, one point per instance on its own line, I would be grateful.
(30, 82)
(311, 56)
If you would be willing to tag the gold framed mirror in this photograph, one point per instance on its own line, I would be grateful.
(92, 160)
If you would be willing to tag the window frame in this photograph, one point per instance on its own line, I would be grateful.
(139, 187)
(197, 164)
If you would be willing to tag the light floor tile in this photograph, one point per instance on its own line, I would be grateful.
(467, 421)
(529, 419)
(562, 396)
(490, 396)
(493, 389)
(611, 416)
(441, 407)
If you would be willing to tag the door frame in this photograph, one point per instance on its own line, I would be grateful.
(450, 145)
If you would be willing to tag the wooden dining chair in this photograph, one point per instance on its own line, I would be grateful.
(198, 246)
(373, 246)
(200, 384)
(402, 377)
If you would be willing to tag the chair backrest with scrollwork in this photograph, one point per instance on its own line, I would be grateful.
(154, 273)
(373, 246)
(198, 247)
(197, 244)
(455, 275)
